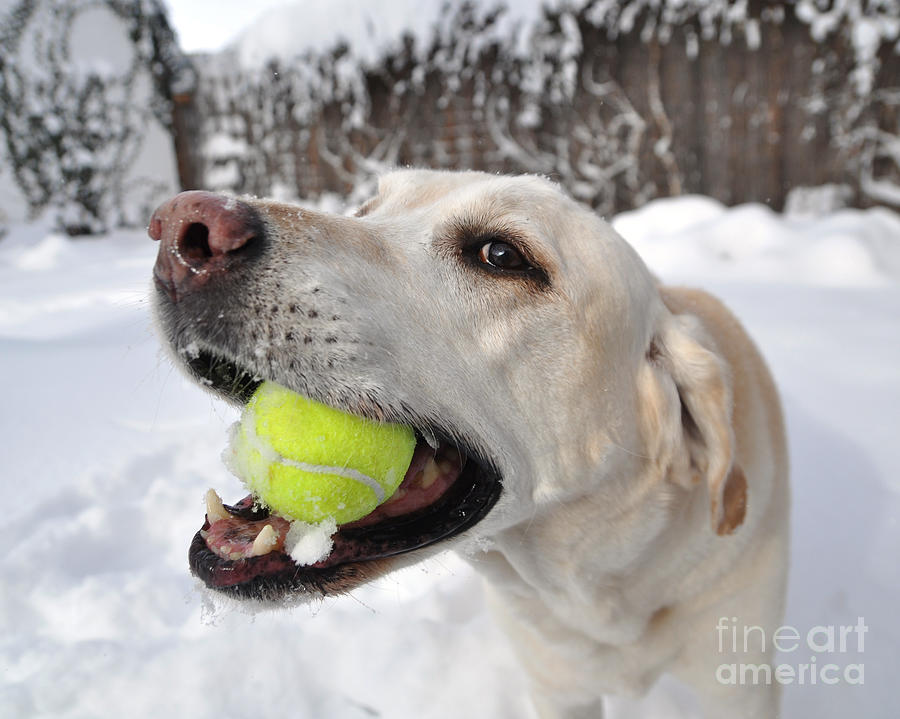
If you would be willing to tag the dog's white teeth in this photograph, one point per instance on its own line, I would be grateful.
(430, 472)
(265, 542)
(215, 510)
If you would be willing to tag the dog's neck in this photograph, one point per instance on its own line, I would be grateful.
(558, 563)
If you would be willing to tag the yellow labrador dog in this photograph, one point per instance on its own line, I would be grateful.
(608, 452)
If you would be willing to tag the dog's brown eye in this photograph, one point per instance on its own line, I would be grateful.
(502, 255)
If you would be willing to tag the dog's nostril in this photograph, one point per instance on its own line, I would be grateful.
(195, 244)
(203, 236)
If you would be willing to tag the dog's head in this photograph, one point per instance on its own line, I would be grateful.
(493, 314)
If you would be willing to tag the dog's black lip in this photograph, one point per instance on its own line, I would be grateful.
(222, 375)
(274, 576)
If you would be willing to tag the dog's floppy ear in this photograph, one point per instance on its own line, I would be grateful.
(687, 403)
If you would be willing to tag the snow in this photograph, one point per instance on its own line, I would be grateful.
(310, 543)
(208, 25)
(870, 25)
(369, 30)
(107, 452)
(847, 248)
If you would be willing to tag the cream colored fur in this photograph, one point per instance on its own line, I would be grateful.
(629, 420)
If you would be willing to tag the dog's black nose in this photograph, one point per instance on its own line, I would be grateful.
(202, 235)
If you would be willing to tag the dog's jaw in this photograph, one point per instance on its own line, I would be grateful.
(360, 549)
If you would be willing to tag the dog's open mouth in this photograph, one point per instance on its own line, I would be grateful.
(241, 548)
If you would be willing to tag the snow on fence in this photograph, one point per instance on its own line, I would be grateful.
(621, 102)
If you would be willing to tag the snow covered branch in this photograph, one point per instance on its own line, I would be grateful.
(74, 112)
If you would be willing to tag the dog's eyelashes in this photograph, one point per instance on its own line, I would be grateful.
(502, 255)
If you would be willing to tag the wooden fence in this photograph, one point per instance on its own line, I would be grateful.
(740, 110)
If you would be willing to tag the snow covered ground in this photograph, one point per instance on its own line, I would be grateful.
(106, 453)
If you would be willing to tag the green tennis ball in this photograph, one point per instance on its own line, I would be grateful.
(311, 462)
